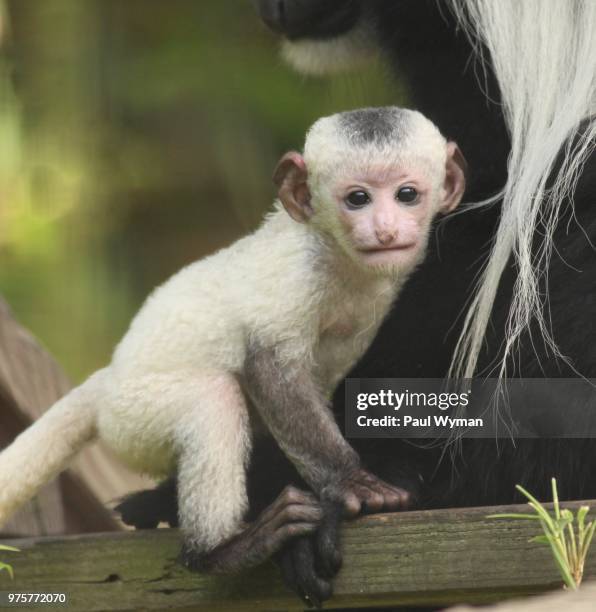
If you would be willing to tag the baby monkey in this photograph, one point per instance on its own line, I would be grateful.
(256, 337)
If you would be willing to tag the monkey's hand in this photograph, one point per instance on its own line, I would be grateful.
(360, 491)
(294, 513)
(309, 564)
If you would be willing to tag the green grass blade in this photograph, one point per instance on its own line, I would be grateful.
(588, 539)
(557, 544)
(8, 568)
(553, 483)
(10, 548)
(581, 515)
(569, 545)
(572, 553)
(563, 566)
(545, 517)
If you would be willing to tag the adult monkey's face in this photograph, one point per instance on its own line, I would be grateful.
(314, 19)
(322, 36)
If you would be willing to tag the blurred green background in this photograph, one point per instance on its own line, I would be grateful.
(136, 136)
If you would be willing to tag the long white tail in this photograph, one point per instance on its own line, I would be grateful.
(43, 450)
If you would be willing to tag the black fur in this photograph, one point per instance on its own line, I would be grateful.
(146, 509)
(316, 20)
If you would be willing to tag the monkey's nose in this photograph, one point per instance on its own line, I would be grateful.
(385, 237)
(297, 19)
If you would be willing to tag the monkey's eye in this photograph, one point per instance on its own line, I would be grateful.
(357, 199)
(407, 195)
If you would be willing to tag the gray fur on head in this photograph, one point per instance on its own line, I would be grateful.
(383, 136)
(377, 126)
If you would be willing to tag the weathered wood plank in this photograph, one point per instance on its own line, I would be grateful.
(436, 557)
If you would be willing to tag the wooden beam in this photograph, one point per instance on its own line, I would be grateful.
(437, 557)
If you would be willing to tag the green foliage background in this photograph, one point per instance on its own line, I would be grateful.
(135, 137)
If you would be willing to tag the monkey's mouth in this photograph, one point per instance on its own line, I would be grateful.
(386, 249)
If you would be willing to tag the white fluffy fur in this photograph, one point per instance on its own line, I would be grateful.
(172, 395)
(41, 451)
(328, 150)
(544, 55)
(331, 155)
(320, 57)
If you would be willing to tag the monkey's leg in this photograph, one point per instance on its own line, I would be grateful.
(294, 513)
(214, 444)
(285, 518)
(268, 475)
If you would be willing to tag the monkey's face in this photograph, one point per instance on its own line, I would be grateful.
(372, 180)
(384, 216)
(322, 36)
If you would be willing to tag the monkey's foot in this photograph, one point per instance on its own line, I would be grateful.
(309, 564)
(362, 491)
(294, 513)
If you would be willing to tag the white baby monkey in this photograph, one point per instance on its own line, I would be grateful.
(257, 336)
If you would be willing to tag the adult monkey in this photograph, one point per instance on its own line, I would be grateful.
(542, 70)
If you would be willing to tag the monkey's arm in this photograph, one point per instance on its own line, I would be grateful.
(298, 417)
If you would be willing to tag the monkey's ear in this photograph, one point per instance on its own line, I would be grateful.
(455, 178)
(290, 177)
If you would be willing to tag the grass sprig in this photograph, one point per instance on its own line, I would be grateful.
(6, 566)
(568, 537)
